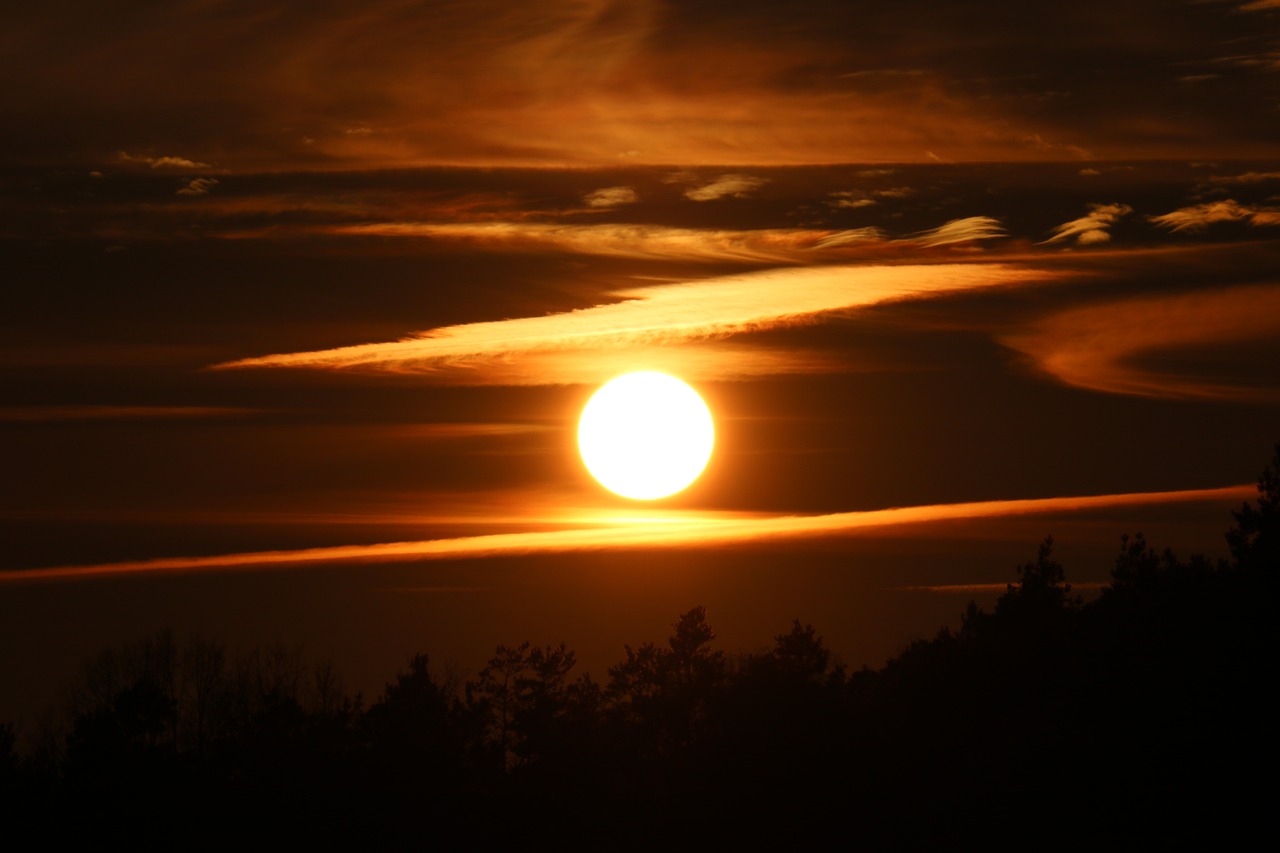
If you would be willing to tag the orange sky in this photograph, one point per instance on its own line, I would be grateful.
(289, 282)
(271, 85)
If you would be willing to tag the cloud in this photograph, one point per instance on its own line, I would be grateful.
(661, 315)
(198, 186)
(163, 162)
(985, 588)
(961, 231)
(54, 414)
(735, 186)
(571, 82)
(850, 199)
(1246, 178)
(1100, 347)
(700, 361)
(1201, 216)
(659, 242)
(856, 198)
(1088, 173)
(611, 197)
(850, 237)
(1091, 228)
(780, 245)
(676, 532)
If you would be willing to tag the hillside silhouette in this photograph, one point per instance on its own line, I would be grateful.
(1140, 717)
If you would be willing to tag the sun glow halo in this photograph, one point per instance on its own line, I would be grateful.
(645, 435)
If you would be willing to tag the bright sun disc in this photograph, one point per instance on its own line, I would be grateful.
(645, 435)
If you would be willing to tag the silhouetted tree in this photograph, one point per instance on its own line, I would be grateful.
(1041, 589)
(1152, 698)
(546, 700)
(495, 695)
(1254, 539)
(665, 691)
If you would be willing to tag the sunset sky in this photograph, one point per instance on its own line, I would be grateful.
(301, 303)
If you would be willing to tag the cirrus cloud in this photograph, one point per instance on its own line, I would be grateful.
(731, 186)
(611, 197)
(1201, 216)
(660, 315)
(1092, 228)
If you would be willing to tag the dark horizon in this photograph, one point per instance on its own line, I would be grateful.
(1147, 697)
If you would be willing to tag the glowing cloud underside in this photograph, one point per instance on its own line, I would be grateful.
(666, 314)
(1097, 347)
(701, 531)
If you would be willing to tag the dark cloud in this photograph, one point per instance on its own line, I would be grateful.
(271, 84)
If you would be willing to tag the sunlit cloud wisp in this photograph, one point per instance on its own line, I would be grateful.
(1093, 227)
(1200, 216)
(1099, 346)
(702, 531)
(665, 314)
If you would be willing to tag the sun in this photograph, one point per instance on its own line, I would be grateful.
(645, 435)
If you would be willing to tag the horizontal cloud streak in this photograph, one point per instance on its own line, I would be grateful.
(703, 532)
(45, 414)
(663, 242)
(777, 245)
(982, 588)
(703, 361)
(664, 314)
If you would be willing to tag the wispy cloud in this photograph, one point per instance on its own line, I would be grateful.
(611, 197)
(665, 314)
(52, 414)
(850, 199)
(781, 245)
(678, 532)
(851, 237)
(961, 231)
(1201, 216)
(1099, 347)
(1092, 228)
(735, 186)
(698, 361)
(1245, 178)
(198, 186)
(162, 162)
(894, 192)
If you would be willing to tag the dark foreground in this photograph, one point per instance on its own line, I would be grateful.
(1138, 718)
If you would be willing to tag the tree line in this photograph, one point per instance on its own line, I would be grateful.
(1143, 714)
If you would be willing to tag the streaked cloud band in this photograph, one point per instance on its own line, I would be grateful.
(665, 314)
(699, 532)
